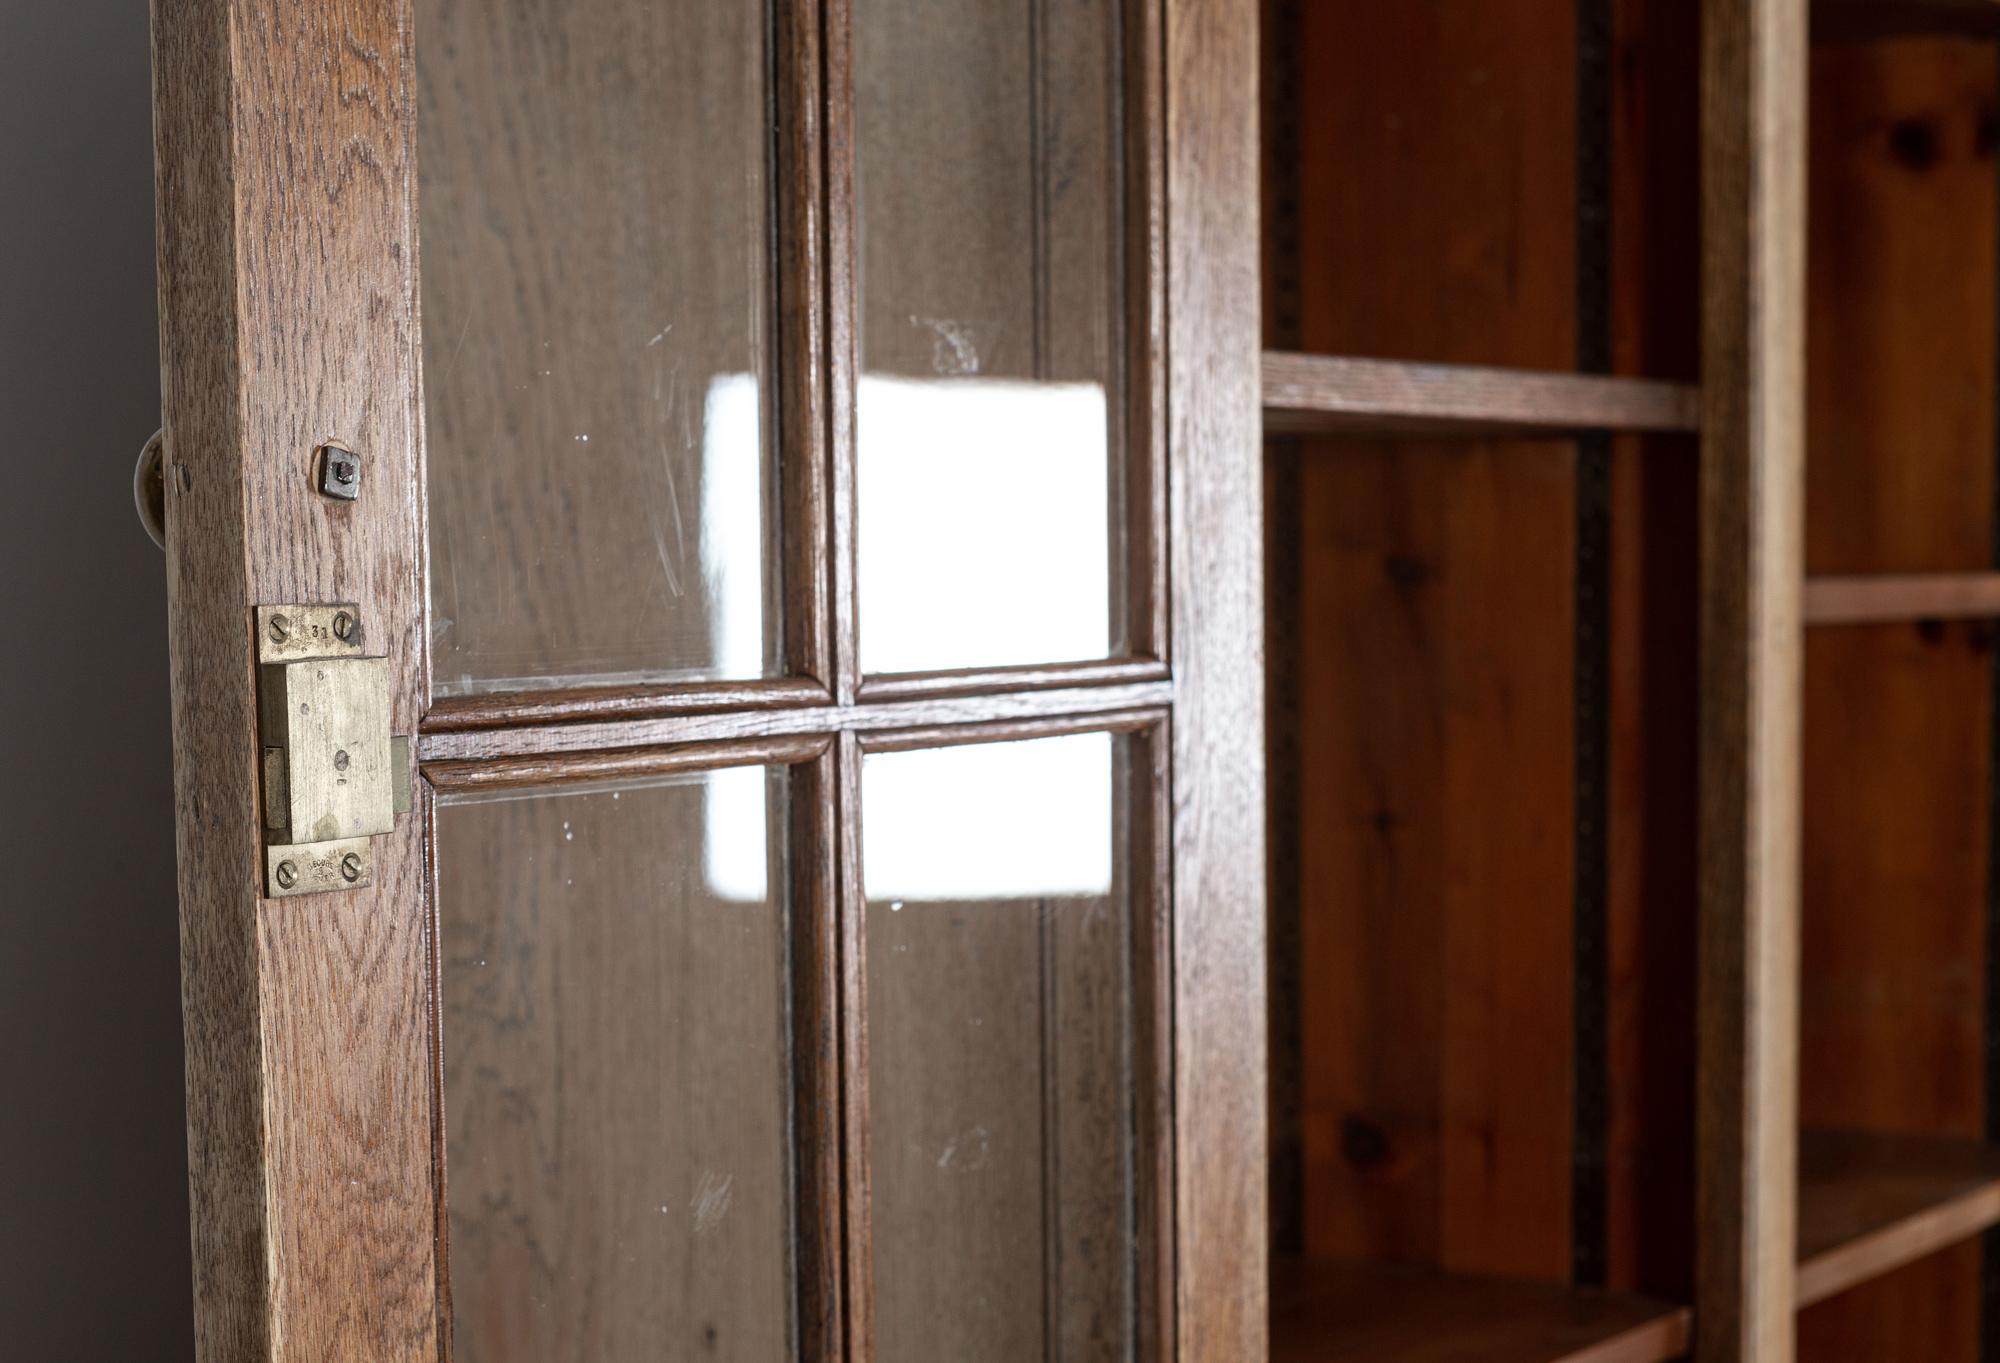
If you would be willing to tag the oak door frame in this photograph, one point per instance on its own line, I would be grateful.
(285, 156)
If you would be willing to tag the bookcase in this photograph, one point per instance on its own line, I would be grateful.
(1631, 533)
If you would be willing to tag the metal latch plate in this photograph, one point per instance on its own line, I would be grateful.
(318, 867)
(330, 768)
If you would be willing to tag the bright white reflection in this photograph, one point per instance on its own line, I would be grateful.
(732, 522)
(982, 523)
(983, 519)
(988, 821)
(735, 854)
(983, 821)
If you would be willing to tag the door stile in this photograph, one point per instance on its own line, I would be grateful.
(1752, 531)
(288, 319)
(1216, 479)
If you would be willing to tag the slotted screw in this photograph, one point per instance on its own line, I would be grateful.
(281, 629)
(343, 626)
(350, 867)
(288, 875)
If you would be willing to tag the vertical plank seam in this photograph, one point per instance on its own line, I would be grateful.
(1989, 1252)
(1283, 119)
(1590, 984)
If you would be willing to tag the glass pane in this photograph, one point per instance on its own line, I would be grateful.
(1000, 1063)
(593, 196)
(617, 1072)
(990, 396)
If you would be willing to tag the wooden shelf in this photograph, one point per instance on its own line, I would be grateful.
(1848, 20)
(1328, 1312)
(1870, 1202)
(1885, 598)
(1329, 395)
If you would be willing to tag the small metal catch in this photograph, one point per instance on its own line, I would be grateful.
(333, 775)
(339, 473)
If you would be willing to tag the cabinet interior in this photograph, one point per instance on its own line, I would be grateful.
(1482, 315)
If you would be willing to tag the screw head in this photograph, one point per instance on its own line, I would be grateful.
(281, 629)
(288, 875)
(339, 473)
(343, 626)
(350, 867)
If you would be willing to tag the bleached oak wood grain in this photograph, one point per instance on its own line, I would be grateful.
(1215, 477)
(1752, 565)
(288, 318)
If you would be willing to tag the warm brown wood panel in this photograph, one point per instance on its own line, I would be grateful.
(287, 301)
(1899, 482)
(1904, 597)
(1325, 1311)
(1328, 395)
(1870, 1203)
(1425, 632)
(1752, 532)
(1652, 60)
(1432, 216)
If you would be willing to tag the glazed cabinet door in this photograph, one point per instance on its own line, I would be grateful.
(714, 573)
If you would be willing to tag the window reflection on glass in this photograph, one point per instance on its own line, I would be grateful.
(616, 1073)
(1000, 1062)
(983, 511)
(988, 181)
(595, 226)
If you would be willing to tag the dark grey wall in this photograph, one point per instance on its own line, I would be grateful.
(93, 1153)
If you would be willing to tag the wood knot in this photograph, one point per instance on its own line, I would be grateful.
(1915, 144)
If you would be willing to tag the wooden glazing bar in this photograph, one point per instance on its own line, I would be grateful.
(987, 681)
(843, 345)
(524, 773)
(820, 1215)
(512, 709)
(670, 730)
(803, 397)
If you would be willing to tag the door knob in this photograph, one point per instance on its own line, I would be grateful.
(149, 488)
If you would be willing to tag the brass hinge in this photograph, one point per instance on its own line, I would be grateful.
(334, 777)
